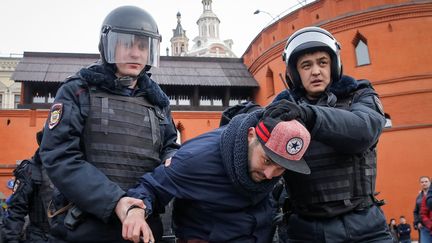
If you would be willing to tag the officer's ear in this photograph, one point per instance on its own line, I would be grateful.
(251, 134)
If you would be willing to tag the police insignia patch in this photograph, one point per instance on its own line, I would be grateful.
(55, 115)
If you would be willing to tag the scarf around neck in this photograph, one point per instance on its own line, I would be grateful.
(234, 150)
(104, 75)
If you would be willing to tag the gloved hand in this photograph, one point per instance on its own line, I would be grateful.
(286, 110)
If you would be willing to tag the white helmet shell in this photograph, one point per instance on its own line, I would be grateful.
(307, 40)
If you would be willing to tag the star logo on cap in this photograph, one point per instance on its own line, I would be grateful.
(294, 145)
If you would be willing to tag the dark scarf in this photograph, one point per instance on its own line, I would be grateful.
(104, 75)
(234, 150)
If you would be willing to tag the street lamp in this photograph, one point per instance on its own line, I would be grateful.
(260, 11)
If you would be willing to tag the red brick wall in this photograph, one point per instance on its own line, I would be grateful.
(18, 130)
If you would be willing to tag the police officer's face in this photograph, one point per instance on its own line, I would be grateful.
(314, 70)
(260, 166)
(135, 53)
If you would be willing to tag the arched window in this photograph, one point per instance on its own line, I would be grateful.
(361, 50)
(17, 100)
(204, 31)
(269, 83)
(212, 31)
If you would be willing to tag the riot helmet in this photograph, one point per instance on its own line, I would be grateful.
(129, 28)
(308, 40)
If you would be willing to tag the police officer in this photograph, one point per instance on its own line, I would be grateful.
(336, 202)
(31, 197)
(109, 124)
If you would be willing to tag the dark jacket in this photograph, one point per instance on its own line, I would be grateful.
(417, 218)
(429, 198)
(426, 215)
(348, 122)
(30, 199)
(207, 206)
(404, 232)
(63, 155)
(350, 131)
(394, 232)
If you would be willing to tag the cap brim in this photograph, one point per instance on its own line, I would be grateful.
(299, 166)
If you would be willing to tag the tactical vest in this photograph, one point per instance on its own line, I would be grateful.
(338, 182)
(122, 136)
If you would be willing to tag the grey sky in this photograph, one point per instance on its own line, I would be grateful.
(73, 25)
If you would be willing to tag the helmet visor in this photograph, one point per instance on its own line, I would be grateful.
(131, 48)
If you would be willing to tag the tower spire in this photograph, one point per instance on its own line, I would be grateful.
(179, 41)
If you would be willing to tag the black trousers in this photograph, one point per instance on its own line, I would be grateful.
(362, 226)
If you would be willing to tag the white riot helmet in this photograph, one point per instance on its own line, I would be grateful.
(307, 40)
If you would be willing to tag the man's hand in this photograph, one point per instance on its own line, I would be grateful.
(135, 227)
(123, 205)
(286, 110)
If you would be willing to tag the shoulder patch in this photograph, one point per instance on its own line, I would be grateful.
(55, 115)
(379, 105)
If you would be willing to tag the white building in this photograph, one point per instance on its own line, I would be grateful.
(179, 41)
(208, 42)
(10, 92)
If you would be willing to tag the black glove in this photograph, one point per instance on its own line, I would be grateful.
(286, 110)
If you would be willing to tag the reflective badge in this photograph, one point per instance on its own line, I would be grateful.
(379, 105)
(55, 115)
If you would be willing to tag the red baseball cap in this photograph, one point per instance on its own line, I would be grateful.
(284, 142)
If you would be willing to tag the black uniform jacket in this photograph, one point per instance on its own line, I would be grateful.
(61, 148)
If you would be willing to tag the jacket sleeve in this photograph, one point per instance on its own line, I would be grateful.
(425, 215)
(416, 212)
(156, 189)
(350, 131)
(169, 136)
(18, 208)
(429, 199)
(181, 179)
(61, 153)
